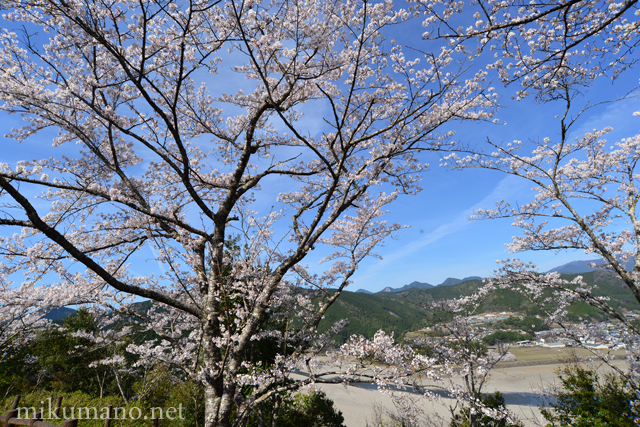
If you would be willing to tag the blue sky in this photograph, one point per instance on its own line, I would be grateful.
(442, 242)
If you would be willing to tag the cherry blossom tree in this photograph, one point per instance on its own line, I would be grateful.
(451, 370)
(552, 51)
(185, 172)
(591, 186)
(536, 43)
(17, 326)
(586, 189)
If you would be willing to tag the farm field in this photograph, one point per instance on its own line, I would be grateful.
(541, 355)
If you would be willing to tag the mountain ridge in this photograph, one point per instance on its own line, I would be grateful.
(583, 266)
(572, 267)
(450, 281)
(412, 285)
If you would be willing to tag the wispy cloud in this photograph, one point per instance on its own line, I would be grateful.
(617, 115)
(505, 189)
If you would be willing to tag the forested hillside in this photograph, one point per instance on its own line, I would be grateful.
(409, 310)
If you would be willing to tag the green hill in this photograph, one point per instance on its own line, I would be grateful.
(368, 313)
(408, 310)
(607, 285)
(396, 312)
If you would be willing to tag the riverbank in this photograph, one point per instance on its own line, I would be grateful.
(519, 381)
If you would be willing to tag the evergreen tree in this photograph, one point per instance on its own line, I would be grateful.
(587, 402)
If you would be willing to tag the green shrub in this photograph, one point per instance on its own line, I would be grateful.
(492, 401)
(74, 406)
(186, 397)
(301, 409)
(587, 402)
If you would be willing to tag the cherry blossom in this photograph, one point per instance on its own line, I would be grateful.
(172, 124)
(585, 198)
(540, 44)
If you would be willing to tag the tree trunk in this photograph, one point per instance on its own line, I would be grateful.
(211, 407)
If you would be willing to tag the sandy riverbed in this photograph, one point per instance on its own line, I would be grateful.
(519, 384)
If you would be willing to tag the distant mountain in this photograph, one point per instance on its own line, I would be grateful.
(412, 285)
(453, 281)
(421, 285)
(58, 313)
(575, 267)
(450, 282)
(364, 291)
